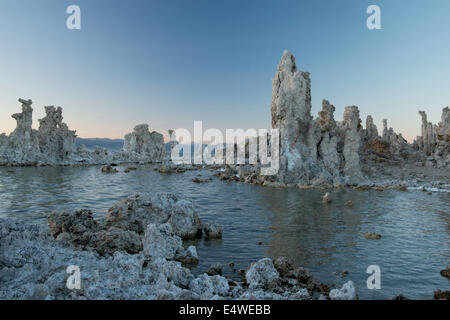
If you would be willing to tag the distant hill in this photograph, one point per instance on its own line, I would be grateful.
(115, 144)
(111, 144)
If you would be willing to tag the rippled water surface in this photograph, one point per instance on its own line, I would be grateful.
(260, 222)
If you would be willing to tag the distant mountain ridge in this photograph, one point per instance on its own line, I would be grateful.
(116, 144)
(91, 143)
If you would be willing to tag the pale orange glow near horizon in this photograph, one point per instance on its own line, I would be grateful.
(117, 125)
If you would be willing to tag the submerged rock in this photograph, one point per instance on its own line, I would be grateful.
(212, 230)
(442, 295)
(372, 236)
(446, 272)
(109, 169)
(215, 269)
(326, 198)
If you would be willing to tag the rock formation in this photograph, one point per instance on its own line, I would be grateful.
(434, 144)
(22, 145)
(371, 129)
(325, 151)
(291, 114)
(352, 145)
(317, 151)
(54, 144)
(56, 141)
(145, 143)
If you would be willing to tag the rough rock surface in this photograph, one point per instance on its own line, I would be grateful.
(319, 151)
(54, 144)
(212, 230)
(352, 145)
(347, 292)
(137, 211)
(56, 141)
(143, 142)
(371, 129)
(22, 145)
(291, 114)
(262, 274)
(434, 144)
(33, 265)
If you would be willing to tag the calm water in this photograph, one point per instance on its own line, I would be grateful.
(415, 227)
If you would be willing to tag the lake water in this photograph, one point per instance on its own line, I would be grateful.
(263, 222)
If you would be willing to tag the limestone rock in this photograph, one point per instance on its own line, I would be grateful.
(212, 230)
(23, 143)
(347, 292)
(160, 241)
(327, 198)
(262, 274)
(215, 269)
(434, 144)
(372, 236)
(352, 145)
(77, 226)
(145, 143)
(301, 274)
(136, 212)
(56, 141)
(115, 239)
(109, 169)
(371, 129)
(316, 152)
(184, 220)
(291, 114)
(209, 287)
(282, 265)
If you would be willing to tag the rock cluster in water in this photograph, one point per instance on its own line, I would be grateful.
(136, 252)
(325, 151)
(143, 142)
(434, 143)
(313, 151)
(54, 144)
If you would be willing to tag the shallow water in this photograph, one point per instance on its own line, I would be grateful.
(415, 226)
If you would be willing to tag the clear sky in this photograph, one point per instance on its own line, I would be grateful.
(168, 63)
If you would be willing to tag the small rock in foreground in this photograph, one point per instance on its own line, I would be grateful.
(372, 236)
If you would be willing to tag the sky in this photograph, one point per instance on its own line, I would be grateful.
(168, 63)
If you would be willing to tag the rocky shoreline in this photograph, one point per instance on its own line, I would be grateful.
(136, 252)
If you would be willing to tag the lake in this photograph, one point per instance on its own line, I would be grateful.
(264, 222)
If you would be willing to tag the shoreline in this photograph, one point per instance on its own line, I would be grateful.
(114, 266)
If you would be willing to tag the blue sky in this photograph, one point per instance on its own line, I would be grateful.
(168, 63)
